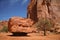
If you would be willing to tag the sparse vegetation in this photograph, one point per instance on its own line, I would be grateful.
(4, 29)
(44, 25)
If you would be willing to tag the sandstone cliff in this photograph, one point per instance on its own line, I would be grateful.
(32, 10)
(47, 9)
(43, 9)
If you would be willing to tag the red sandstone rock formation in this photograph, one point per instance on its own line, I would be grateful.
(47, 9)
(32, 10)
(43, 9)
(18, 24)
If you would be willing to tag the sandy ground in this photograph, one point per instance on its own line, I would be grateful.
(31, 36)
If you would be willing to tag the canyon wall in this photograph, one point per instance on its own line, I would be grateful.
(46, 9)
(43, 9)
(32, 10)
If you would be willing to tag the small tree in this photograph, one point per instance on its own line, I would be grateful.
(44, 24)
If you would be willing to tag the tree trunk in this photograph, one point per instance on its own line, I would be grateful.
(44, 32)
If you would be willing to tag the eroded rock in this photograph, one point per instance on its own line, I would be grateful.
(47, 9)
(17, 24)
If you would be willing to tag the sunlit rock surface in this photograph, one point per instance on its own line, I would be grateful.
(18, 24)
(49, 9)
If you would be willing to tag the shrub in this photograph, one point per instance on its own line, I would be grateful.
(5, 29)
(44, 24)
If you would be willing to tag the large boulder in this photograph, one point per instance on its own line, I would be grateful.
(18, 24)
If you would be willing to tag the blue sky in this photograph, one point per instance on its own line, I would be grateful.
(9, 8)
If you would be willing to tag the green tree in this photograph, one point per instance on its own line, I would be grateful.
(43, 24)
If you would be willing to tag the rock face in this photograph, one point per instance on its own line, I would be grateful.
(43, 9)
(32, 10)
(18, 24)
(49, 9)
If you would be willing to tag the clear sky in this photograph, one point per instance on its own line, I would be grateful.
(9, 8)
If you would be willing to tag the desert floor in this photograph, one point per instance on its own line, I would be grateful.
(31, 36)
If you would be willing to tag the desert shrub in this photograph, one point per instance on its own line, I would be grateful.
(4, 29)
(44, 25)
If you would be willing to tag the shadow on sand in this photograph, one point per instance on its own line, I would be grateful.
(17, 34)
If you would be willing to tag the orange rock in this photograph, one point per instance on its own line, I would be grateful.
(17, 24)
(43, 8)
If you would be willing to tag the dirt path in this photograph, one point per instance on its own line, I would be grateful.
(33, 36)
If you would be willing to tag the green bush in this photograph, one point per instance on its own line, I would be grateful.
(44, 25)
(5, 29)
